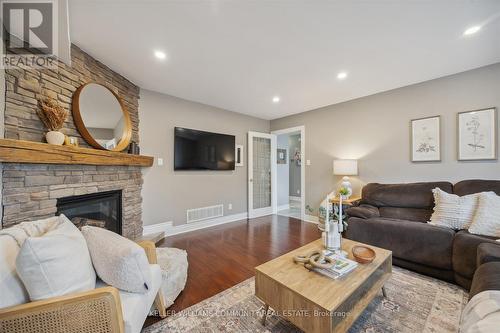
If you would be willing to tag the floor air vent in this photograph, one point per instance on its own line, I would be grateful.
(204, 213)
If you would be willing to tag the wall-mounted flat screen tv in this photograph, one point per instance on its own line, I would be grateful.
(199, 150)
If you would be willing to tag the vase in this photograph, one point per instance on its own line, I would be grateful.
(55, 138)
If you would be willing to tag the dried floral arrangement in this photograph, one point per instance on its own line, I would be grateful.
(52, 114)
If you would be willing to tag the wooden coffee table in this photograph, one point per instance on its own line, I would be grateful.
(316, 303)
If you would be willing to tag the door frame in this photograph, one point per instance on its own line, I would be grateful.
(302, 130)
(273, 208)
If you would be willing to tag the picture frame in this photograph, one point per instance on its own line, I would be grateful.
(238, 156)
(477, 135)
(425, 139)
(281, 157)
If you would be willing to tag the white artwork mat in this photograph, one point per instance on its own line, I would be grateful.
(477, 135)
(426, 145)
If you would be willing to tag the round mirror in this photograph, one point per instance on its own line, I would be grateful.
(101, 117)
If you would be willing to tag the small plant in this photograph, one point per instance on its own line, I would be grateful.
(344, 191)
(52, 114)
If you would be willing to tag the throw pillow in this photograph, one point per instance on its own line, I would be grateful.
(453, 211)
(487, 218)
(118, 261)
(55, 263)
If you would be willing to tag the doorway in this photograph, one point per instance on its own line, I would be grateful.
(290, 172)
(261, 174)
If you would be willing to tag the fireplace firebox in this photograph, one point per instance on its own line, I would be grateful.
(102, 209)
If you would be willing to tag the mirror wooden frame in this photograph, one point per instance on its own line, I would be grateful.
(80, 125)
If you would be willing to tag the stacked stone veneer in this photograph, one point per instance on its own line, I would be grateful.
(30, 191)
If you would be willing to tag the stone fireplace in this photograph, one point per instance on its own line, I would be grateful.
(34, 190)
(101, 209)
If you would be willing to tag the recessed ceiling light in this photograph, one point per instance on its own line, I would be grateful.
(276, 99)
(160, 55)
(341, 75)
(472, 30)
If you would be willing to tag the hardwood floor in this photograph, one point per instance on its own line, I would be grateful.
(223, 256)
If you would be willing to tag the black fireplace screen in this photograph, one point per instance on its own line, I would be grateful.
(103, 209)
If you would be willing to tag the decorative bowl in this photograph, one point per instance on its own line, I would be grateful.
(363, 254)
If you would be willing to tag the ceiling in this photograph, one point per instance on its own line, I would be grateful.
(238, 55)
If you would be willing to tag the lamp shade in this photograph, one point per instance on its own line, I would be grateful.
(345, 167)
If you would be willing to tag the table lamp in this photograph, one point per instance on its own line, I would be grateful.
(345, 168)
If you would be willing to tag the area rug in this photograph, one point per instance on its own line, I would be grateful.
(414, 303)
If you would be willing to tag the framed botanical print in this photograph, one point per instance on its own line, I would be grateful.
(426, 139)
(477, 135)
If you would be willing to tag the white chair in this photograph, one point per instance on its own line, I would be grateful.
(104, 309)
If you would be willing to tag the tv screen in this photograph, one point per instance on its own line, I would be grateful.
(198, 150)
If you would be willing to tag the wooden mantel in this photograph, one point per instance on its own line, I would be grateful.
(19, 151)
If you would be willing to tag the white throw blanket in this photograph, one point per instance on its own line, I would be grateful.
(482, 313)
(24, 230)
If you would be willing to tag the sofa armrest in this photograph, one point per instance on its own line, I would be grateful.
(150, 249)
(487, 252)
(97, 310)
(363, 211)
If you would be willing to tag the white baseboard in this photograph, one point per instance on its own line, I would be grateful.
(311, 219)
(283, 207)
(158, 227)
(171, 230)
(294, 198)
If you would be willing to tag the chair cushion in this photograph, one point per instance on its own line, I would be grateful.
(11, 287)
(453, 211)
(56, 263)
(11, 239)
(412, 241)
(486, 220)
(136, 306)
(118, 261)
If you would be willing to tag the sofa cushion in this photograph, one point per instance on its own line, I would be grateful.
(486, 277)
(465, 252)
(475, 186)
(363, 211)
(56, 263)
(486, 220)
(487, 252)
(416, 242)
(406, 214)
(412, 195)
(136, 306)
(118, 261)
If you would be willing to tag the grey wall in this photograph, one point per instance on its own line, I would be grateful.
(283, 172)
(167, 194)
(375, 130)
(294, 145)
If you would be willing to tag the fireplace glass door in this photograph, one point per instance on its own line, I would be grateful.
(103, 209)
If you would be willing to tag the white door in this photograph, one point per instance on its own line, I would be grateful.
(261, 174)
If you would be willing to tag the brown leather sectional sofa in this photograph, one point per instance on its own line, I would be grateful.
(394, 216)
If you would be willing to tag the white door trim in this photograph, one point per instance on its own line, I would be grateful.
(302, 130)
(274, 198)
